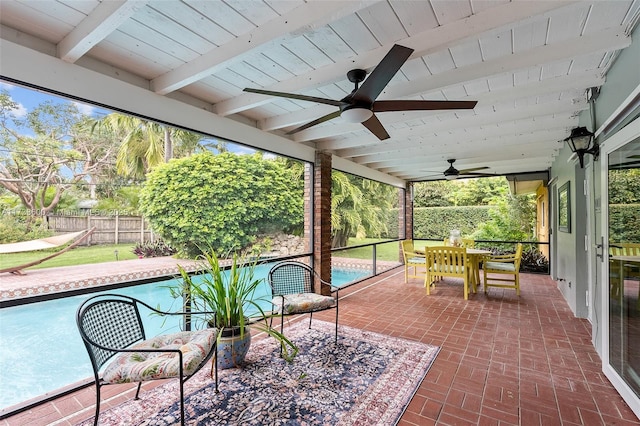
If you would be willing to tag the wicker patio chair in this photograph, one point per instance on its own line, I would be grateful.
(111, 327)
(292, 291)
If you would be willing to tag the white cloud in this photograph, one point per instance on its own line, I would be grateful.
(20, 111)
(85, 109)
(240, 149)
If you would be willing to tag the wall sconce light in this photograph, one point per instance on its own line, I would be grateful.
(581, 141)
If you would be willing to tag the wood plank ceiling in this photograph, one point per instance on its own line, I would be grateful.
(527, 63)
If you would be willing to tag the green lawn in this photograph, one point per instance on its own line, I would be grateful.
(106, 253)
(389, 251)
(76, 256)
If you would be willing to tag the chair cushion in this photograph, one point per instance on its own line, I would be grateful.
(303, 302)
(416, 260)
(140, 366)
(500, 266)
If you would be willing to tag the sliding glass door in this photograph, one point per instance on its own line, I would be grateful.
(621, 295)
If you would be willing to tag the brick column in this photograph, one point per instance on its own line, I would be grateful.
(408, 212)
(322, 220)
(308, 213)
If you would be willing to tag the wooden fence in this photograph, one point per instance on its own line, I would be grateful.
(109, 229)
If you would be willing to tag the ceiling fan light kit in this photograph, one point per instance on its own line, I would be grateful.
(360, 105)
(356, 114)
(450, 176)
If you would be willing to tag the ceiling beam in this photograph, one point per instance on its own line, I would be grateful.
(424, 43)
(473, 157)
(608, 39)
(102, 21)
(494, 139)
(303, 18)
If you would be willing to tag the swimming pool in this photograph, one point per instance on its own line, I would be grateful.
(41, 350)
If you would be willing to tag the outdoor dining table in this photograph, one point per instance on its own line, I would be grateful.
(475, 256)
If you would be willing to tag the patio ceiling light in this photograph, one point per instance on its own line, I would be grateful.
(581, 141)
(356, 114)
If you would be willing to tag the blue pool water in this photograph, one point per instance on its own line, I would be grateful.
(41, 350)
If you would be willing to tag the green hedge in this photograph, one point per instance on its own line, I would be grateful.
(623, 220)
(436, 222)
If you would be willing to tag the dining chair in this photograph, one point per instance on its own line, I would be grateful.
(111, 328)
(444, 261)
(503, 270)
(619, 270)
(292, 292)
(412, 260)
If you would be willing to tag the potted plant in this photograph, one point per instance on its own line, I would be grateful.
(231, 294)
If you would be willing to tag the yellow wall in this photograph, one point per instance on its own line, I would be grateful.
(542, 220)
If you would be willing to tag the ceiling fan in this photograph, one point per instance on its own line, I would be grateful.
(360, 105)
(452, 173)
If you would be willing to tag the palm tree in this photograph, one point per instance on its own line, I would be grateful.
(145, 144)
(358, 207)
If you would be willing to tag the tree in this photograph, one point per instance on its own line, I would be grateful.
(359, 207)
(47, 153)
(145, 144)
(436, 193)
(479, 191)
(222, 201)
(513, 219)
(624, 186)
(461, 192)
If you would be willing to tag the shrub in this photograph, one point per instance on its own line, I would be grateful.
(153, 249)
(221, 201)
(532, 259)
(14, 228)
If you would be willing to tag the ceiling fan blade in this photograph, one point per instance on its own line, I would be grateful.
(473, 169)
(382, 74)
(314, 122)
(294, 96)
(417, 105)
(375, 126)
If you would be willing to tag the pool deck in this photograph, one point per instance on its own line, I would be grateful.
(67, 278)
(52, 280)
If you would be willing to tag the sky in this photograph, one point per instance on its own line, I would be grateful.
(27, 99)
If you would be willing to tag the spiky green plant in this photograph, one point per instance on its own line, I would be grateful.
(231, 296)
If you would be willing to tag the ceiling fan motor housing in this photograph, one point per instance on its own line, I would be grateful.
(356, 76)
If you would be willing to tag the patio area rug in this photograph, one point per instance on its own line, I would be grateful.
(366, 379)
